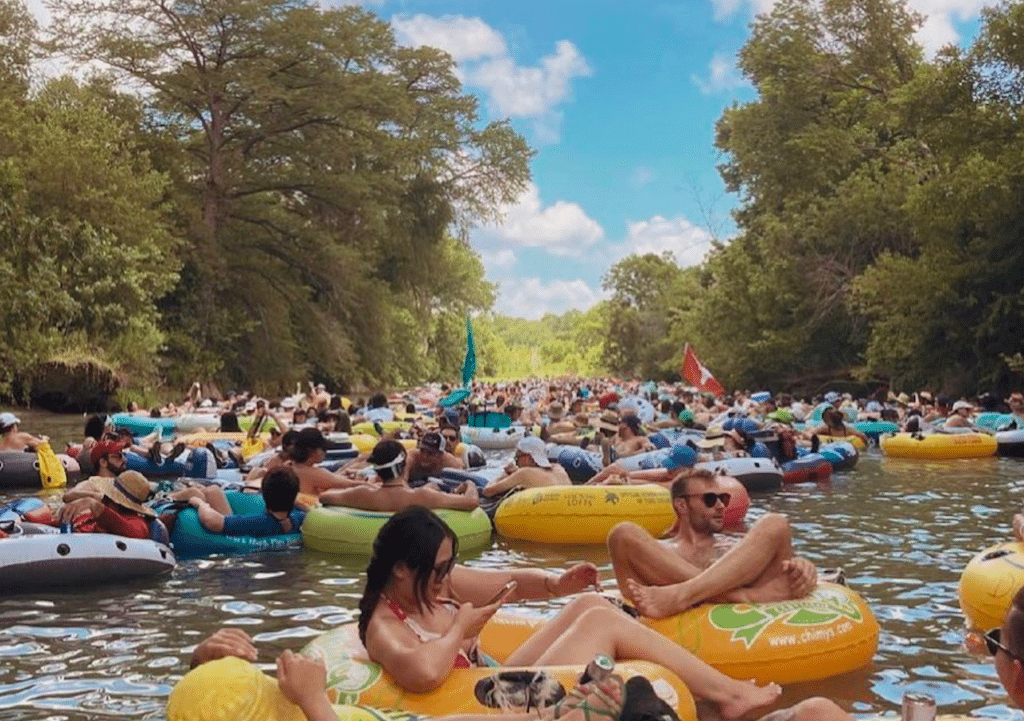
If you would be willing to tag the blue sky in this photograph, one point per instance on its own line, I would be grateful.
(620, 101)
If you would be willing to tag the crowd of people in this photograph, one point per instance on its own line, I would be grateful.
(421, 611)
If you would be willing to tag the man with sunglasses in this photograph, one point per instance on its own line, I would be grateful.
(430, 457)
(697, 564)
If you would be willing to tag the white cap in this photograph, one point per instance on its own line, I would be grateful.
(8, 419)
(287, 402)
(962, 404)
(536, 449)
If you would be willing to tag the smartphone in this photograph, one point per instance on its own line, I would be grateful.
(505, 590)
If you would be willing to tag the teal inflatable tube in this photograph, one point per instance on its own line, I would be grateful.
(143, 425)
(191, 540)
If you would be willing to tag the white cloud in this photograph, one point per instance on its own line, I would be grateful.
(498, 259)
(722, 75)
(562, 228)
(533, 297)
(461, 37)
(938, 29)
(484, 63)
(686, 241)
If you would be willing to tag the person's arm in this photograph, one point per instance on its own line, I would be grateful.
(324, 480)
(303, 681)
(432, 498)
(452, 461)
(224, 642)
(343, 497)
(650, 475)
(210, 518)
(500, 485)
(478, 585)
(85, 489)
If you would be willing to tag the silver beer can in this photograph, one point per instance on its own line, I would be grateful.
(918, 707)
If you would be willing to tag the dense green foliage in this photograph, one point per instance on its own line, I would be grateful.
(280, 187)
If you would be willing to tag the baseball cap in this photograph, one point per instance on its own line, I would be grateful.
(962, 404)
(681, 456)
(535, 448)
(431, 442)
(105, 448)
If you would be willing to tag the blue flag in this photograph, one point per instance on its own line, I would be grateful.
(469, 365)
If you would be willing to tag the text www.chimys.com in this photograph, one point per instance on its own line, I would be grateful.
(824, 634)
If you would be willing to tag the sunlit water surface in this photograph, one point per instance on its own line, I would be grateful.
(902, 530)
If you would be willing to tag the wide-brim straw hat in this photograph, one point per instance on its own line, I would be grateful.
(130, 489)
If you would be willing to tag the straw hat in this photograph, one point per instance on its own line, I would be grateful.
(229, 689)
(713, 437)
(609, 421)
(130, 489)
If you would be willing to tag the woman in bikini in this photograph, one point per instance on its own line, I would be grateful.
(833, 423)
(420, 616)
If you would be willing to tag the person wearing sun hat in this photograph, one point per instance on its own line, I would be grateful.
(14, 439)
(530, 468)
(119, 510)
(960, 416)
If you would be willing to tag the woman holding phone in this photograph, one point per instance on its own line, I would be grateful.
(420, 616)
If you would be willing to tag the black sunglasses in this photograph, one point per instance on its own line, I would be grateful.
(993, 640)
(710, 499)
(441, 570)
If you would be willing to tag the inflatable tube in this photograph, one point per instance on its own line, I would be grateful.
(855, 441)
(369, 428)
(336, 529)
(472, 456)
(939, 446)
(19, 469)
(364, 443)
(143, 425)
(874, 429)
(74, 560)
(581, 465)
(643, 461)
(582, 514)
(992, 421)
(739, 501)
(830, 632)
(988, 584)
(812, 468)
(201, 438)
(191, 540)
(196, 422)
(756, 474)
(1010, 444)
(841, 454)
(491, 439)
(353, 679)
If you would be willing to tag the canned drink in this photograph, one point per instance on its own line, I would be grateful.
(918, 707)
(598, 669)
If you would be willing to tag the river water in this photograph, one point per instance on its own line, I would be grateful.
(902, 530)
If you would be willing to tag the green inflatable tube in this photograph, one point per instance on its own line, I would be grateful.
(337, 529)
(191, 540)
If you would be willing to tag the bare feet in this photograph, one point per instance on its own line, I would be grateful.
(656, 601)
(748, 696)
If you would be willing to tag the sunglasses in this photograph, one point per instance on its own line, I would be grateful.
(710, 499)
(993, 641)
(442, 569)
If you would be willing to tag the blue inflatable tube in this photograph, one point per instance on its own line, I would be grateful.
(842, 455)
(143, 425)
(191, 540)
(581, 465)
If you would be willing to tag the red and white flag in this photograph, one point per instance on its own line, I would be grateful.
(697, 375)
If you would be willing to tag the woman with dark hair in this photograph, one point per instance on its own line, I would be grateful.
(420, 616)
(229, 423)
(95, 426)
(833, 423)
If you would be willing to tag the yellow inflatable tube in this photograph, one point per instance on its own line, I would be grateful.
(988, 584)
(582, 514)
(939, 446)
(364, 443)
(856, 441)
(353, 679)
(828, 633)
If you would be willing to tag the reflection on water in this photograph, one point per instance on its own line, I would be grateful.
(902, 530)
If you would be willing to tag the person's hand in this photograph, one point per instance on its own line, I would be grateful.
(803, 576)
(616, 480)
(302, 680)
(578, 578)
(194, 501)
(473, 619)
(511, 468)
(225, 642)
(69, 511)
